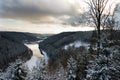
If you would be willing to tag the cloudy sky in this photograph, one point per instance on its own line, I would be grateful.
(39, 11)
(20, 14)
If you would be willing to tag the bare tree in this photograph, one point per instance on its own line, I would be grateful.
(97, 8)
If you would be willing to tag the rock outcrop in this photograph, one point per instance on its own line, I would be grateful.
(11, 50)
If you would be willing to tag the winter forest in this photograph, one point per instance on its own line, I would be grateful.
(69, 54)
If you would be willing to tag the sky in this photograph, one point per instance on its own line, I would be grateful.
(42, 16)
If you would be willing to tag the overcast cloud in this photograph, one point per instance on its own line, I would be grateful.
(38, 10)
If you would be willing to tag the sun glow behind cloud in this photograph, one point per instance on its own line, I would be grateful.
(45, 28)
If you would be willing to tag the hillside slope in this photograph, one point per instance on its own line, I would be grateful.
(11, 50)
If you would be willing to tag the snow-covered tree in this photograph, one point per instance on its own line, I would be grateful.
(42, 72)
(76, 64)
(13, 72)
(106, 66)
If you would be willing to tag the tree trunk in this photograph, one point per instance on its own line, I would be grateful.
(98, 42)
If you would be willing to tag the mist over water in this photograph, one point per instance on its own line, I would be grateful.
(76, 44)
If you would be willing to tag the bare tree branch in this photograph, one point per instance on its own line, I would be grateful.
(97, 8)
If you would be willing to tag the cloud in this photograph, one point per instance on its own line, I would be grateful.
(37, 10)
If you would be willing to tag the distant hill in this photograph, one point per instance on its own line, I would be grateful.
(52, 44)
(25, 37)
